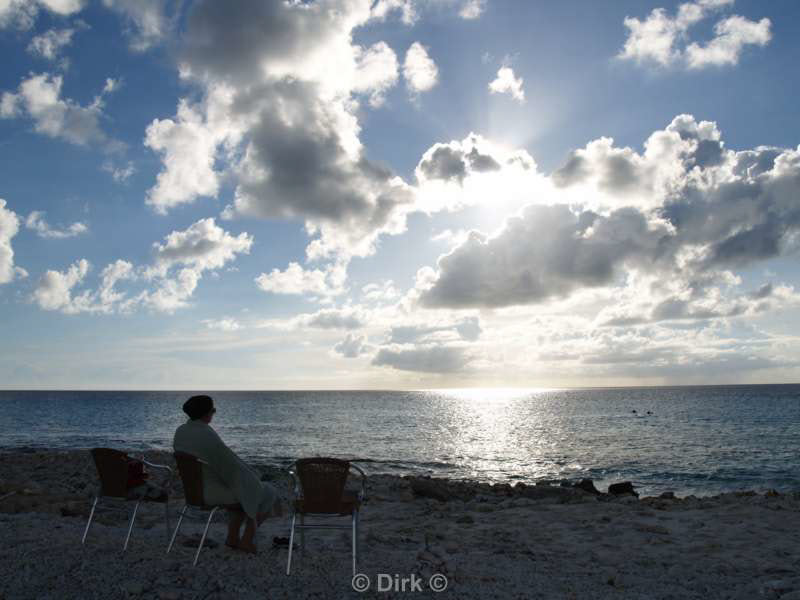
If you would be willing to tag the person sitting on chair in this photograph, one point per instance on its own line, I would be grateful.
(227, 479)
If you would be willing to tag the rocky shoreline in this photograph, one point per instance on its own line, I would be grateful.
(550, 540)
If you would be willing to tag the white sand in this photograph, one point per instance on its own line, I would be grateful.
(498, 544)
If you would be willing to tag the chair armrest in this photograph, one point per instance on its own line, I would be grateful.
(362, 495)
(295, 491)
(169, 472)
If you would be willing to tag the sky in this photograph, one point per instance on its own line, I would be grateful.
(398, 194)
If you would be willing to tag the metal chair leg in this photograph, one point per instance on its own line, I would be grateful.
(130, 527)
(177, 527)
(203, 539)
(302, 534)
(89, 522)
(291, 544)
(166, 515)
(355, 540)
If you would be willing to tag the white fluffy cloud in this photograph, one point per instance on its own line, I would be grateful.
(39, 98)
(188, 147)
(684, 211)
(147, 21)
(54, 290)
(9, 226)
(662, 39)
(295, 280)
(49, 44)
(377, 72)
(410, 10)
(22, 13)
(731, 35)
(177, 268)
(419, 69)
(202, 246)
(508, 83)
(37, 223)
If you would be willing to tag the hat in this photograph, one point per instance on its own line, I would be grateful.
(198, 406)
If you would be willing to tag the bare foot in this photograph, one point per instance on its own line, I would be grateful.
(232, 543)
(248, 547)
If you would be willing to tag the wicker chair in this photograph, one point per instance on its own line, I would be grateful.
(190, 469)
(112, 470)
(319, 491)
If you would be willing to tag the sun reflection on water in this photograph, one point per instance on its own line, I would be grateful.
(484, 428)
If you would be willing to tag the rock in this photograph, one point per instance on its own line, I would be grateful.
(170, 594)
(451, 548)
(556, 494)
(587, 485)
(132, 587)
(667, 495)
(71, 511)
(439, 489)
(622, 489)
(465, 520)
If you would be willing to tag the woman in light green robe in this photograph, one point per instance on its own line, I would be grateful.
(226, 478)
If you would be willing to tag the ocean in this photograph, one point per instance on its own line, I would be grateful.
(691, 440)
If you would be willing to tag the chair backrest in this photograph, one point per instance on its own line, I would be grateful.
(112, 469)
(322, 481)
(191, 472)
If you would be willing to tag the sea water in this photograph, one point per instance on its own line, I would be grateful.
(691, 440)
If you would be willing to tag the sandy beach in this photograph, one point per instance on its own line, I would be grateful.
(534, 541)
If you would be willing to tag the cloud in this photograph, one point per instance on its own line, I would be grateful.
(419, 70)
(380, 292)
(467, 329)
(224, 324)
(147, 21)
(508, 83)
(352, 346)
(22, 14)
(425, 359)
(410, 10)
(456, 160)
(54, 290)
(686, 210)
(120, 174)
(49, 44)
(202, 246)
(9, 226)
(333, 319)
(296, 280)
(39, 97)
(660, 37)
(472, 9)
(377, 72)
(188, 147)
(731, 35)
(37, 223)
(547, 251)
(177, 268)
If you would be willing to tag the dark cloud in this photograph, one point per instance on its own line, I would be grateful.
(352, 346)
(547, 251)
(704, 210)
(456, 160)
(426, 359)
(468, 329)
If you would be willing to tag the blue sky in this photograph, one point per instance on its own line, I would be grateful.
(397, 193)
